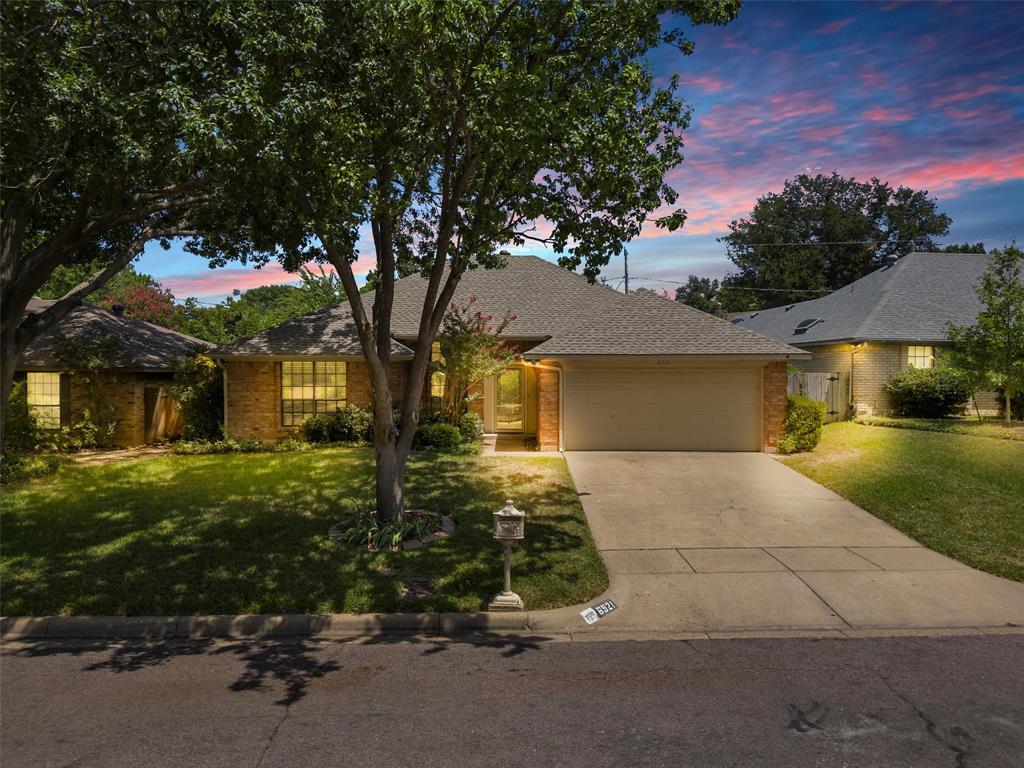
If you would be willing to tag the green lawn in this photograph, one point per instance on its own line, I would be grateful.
(248, 534)
(960, 426)
(957, 494)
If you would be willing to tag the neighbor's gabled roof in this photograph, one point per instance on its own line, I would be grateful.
(913, 299)
(559, 309)
(142, 346)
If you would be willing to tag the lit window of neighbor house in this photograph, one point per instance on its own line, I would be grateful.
(44, 398)
(920, 356)
(437, 377)
(311, 388)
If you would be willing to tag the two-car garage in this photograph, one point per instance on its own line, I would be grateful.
(662, 408)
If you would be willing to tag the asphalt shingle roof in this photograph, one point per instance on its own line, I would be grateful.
(911, 300)
(143, 346)
(564, 313)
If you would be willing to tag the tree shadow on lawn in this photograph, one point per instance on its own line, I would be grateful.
(243, 537)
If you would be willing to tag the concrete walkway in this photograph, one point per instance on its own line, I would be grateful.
(725, 542)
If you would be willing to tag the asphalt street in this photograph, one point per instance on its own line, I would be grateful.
(507, 701)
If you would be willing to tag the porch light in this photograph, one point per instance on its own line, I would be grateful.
(509, 526)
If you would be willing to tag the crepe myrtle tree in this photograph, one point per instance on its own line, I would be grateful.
(450, 129)
(123, 124)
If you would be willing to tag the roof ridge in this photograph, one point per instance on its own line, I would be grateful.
(883, 293)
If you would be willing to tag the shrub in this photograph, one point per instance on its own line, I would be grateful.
(199, 390)
(804, 418)
(351, 424)
(15, 466)
(440, 437)
(471, 426)
(364, 529)
(22, 431)
(928, 393)
(230, 445)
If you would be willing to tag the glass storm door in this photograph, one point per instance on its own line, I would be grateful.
(509, 417)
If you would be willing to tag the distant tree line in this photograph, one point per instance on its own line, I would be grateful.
(818, 234)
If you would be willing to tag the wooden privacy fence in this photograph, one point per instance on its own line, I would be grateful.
(833, 389)
(163, 417)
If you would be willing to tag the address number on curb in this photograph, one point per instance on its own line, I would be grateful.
(599, 611)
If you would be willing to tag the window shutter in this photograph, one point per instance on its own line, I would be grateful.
(65, 400)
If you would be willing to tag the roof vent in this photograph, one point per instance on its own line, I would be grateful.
(805, 326)
(118, 309)
(790, 307)
(504, 253)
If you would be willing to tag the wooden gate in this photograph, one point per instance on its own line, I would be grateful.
(163, 417)
(833, 389)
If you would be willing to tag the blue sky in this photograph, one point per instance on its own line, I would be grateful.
(930, 95)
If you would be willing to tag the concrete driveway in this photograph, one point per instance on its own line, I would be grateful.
(721, 542)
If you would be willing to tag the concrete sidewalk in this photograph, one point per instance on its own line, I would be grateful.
(734, 542)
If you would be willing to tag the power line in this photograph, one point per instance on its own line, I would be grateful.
(738, 287)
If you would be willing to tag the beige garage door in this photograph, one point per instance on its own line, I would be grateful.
(650, 409)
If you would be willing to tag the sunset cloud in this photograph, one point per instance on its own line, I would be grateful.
(790, 88)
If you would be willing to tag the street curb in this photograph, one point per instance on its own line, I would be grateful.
(254, 626)
(441, 625)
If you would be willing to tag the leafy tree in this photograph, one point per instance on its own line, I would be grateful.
(701, 293)
(454, 128)
(245, 313)
(141, 295)
(965, 248)
(124, 123)
(823, 232)
(994, 345)
(199, 390)
(471, 350)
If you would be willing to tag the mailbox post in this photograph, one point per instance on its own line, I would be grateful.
(509, 526)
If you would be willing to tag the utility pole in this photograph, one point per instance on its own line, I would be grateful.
(625, 258)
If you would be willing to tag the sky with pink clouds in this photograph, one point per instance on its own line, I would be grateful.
(929, 95)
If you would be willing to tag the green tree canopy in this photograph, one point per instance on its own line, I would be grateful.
(453, 128)
(965, 248)
(123, 123)
(701, 293)
(821, 233)
(994, 346)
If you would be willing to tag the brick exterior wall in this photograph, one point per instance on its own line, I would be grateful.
(872, 364)
(254, 395)
(773, 410)
(547, 408)
(120, 401)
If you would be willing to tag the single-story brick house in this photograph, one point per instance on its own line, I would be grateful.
(133, 387)
(598, 369)
(887, 321)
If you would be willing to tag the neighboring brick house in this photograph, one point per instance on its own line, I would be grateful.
(598, 369)
(133, 391)
(887, 321)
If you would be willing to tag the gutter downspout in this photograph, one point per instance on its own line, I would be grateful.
(224, 386)
(561, 400)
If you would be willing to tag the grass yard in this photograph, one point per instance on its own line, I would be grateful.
(248, 534)
(957, 494)
(964, 426)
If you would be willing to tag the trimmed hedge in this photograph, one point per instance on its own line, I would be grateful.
(351, 424)
(928, 393)
(471, 426)
(804, 419)
(438, 436)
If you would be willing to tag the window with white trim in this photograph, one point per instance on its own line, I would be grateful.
(43, 390)
(311, 388)
(920, 356)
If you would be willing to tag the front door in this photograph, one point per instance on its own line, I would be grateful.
(509, 401)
